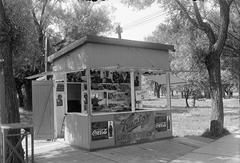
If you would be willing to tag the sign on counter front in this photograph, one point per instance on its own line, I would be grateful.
(102, 130)
(134, 127)
(161, 122)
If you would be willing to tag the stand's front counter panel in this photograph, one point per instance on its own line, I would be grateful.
(77, 130)
(117, 129)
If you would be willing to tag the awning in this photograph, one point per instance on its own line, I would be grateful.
(161, 79)
(40, 75)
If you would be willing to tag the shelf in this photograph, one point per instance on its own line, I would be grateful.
(113, 83)
(104, 90)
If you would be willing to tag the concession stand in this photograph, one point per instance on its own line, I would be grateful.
(100, 95)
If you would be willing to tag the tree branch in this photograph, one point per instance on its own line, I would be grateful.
(186, 13)
(203, 25)
(35, 18)
(43, 11)
(224, 22)
(230, 2)
(237, 51)
(2, 12)
(229, 33)
(235, 3)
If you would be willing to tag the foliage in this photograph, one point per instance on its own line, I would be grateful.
(186, 60)
(23, 33)
(195, 13)
(82, 18)
(38, 17)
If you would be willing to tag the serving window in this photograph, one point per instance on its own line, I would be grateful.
(110, 91)
(113, 91)
(77, 92)
(152, 93)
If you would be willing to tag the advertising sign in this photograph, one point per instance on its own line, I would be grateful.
(110, 129)
(139, 95)
(134, 127)
(161, 122)
(99, 130)
(59, 100)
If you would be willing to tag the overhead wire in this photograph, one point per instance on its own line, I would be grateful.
(143, 20)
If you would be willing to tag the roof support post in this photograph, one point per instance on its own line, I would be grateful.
(89, 109)
(132, 90)
(168, 90)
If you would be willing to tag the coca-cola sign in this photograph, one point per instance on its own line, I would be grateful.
(161, 122)
(99, 130)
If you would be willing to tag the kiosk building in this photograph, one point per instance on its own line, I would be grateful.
(98, 95)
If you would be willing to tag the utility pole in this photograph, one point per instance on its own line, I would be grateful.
(119, 31)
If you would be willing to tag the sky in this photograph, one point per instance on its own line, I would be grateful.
(136, 24)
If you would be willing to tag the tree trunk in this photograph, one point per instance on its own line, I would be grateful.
(217, 117)
(207, 94)
(12, 114)
(28, 95)
(19, 92)
(10, 89)
(186, 98)
(9, 112)
(194, 101)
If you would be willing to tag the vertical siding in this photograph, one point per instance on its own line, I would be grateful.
(43, 118)
(97, 144)
(77, 131)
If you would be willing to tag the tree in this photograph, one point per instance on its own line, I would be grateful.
(47, 15)
(185, 61)
(212, 53)
(84, 18)
(9, 111)
(232, 48)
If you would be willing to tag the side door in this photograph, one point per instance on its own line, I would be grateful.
(43, 109)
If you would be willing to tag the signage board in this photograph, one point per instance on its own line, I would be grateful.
(134, 127)
(102, 130)
(161, 122)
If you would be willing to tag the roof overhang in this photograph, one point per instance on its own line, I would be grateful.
(109, 41)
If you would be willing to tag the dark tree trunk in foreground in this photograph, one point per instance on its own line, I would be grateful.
(28, 95)
(10, 112)
(19, 92)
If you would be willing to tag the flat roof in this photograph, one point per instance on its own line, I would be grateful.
(109, 41)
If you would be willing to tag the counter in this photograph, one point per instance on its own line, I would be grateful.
(104, 130)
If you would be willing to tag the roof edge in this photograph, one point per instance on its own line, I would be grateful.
(109, 41)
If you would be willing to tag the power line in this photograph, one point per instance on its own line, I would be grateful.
(143, 21)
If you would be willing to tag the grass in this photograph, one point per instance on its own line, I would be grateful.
(189, 121)
(196, 121)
